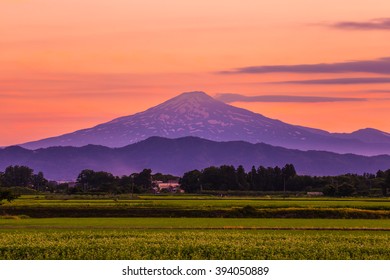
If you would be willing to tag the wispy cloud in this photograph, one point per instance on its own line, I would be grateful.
(6, 95)
(340, 81)
(76, 86)
(374, 24)
(65, 117)
(72, 94)
(377, 66)
(234, 97)
(376, 91)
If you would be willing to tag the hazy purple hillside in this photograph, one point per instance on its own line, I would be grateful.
(176, 156)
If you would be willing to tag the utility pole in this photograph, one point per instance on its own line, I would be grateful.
(132, 186)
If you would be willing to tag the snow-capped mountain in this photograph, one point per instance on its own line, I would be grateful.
(198, 114)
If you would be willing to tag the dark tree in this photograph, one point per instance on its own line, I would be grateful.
(163, 177)
(143, 180)
(191, 181)
(330, 190)
(288, 172)
(105, 182)
(242, 178)
(85, 179)
(17, 176)
(386, 183)
(253, 178)
(380, 174)
(228, 178)
(211, 179)
(126, 184)
(39, 182)
(7, 195)
(277, 179)
(100, 181)
(263, 179)
(345, 190)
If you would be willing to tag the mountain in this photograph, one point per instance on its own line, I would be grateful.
(197, 114)
(176, 156)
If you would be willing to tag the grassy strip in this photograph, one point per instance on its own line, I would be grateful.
(247, 211)
(205, 229)
(191, 223)
(200, 203)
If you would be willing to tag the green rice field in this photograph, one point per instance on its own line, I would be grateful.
(193, 238)
(56, 236)
(16, 223)
(201, 202)
(196, 207)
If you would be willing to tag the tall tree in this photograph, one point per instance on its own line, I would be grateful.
(386, 184)
(253, 178)
(191, 181)
(143, 180)
(242, 178)
(85, 179)
(39, 182)
(263, 177)
(101, 181)
(288, 172)
(211, 178)
(20, 176)
(228, 178)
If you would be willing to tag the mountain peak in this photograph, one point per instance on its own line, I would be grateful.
(192, 96)
(371, 135)
(371, 130)
(187, 102)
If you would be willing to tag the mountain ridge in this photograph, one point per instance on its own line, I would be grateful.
(176, 156)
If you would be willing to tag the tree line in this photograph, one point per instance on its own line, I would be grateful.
(211, 179)
(20, 176)
(92, 181)
(285, 179)
(88, 181)
(227, 177)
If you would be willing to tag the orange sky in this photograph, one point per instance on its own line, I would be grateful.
(67, 65)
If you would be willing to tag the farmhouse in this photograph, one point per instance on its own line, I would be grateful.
(315, 193)
(172, 186)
